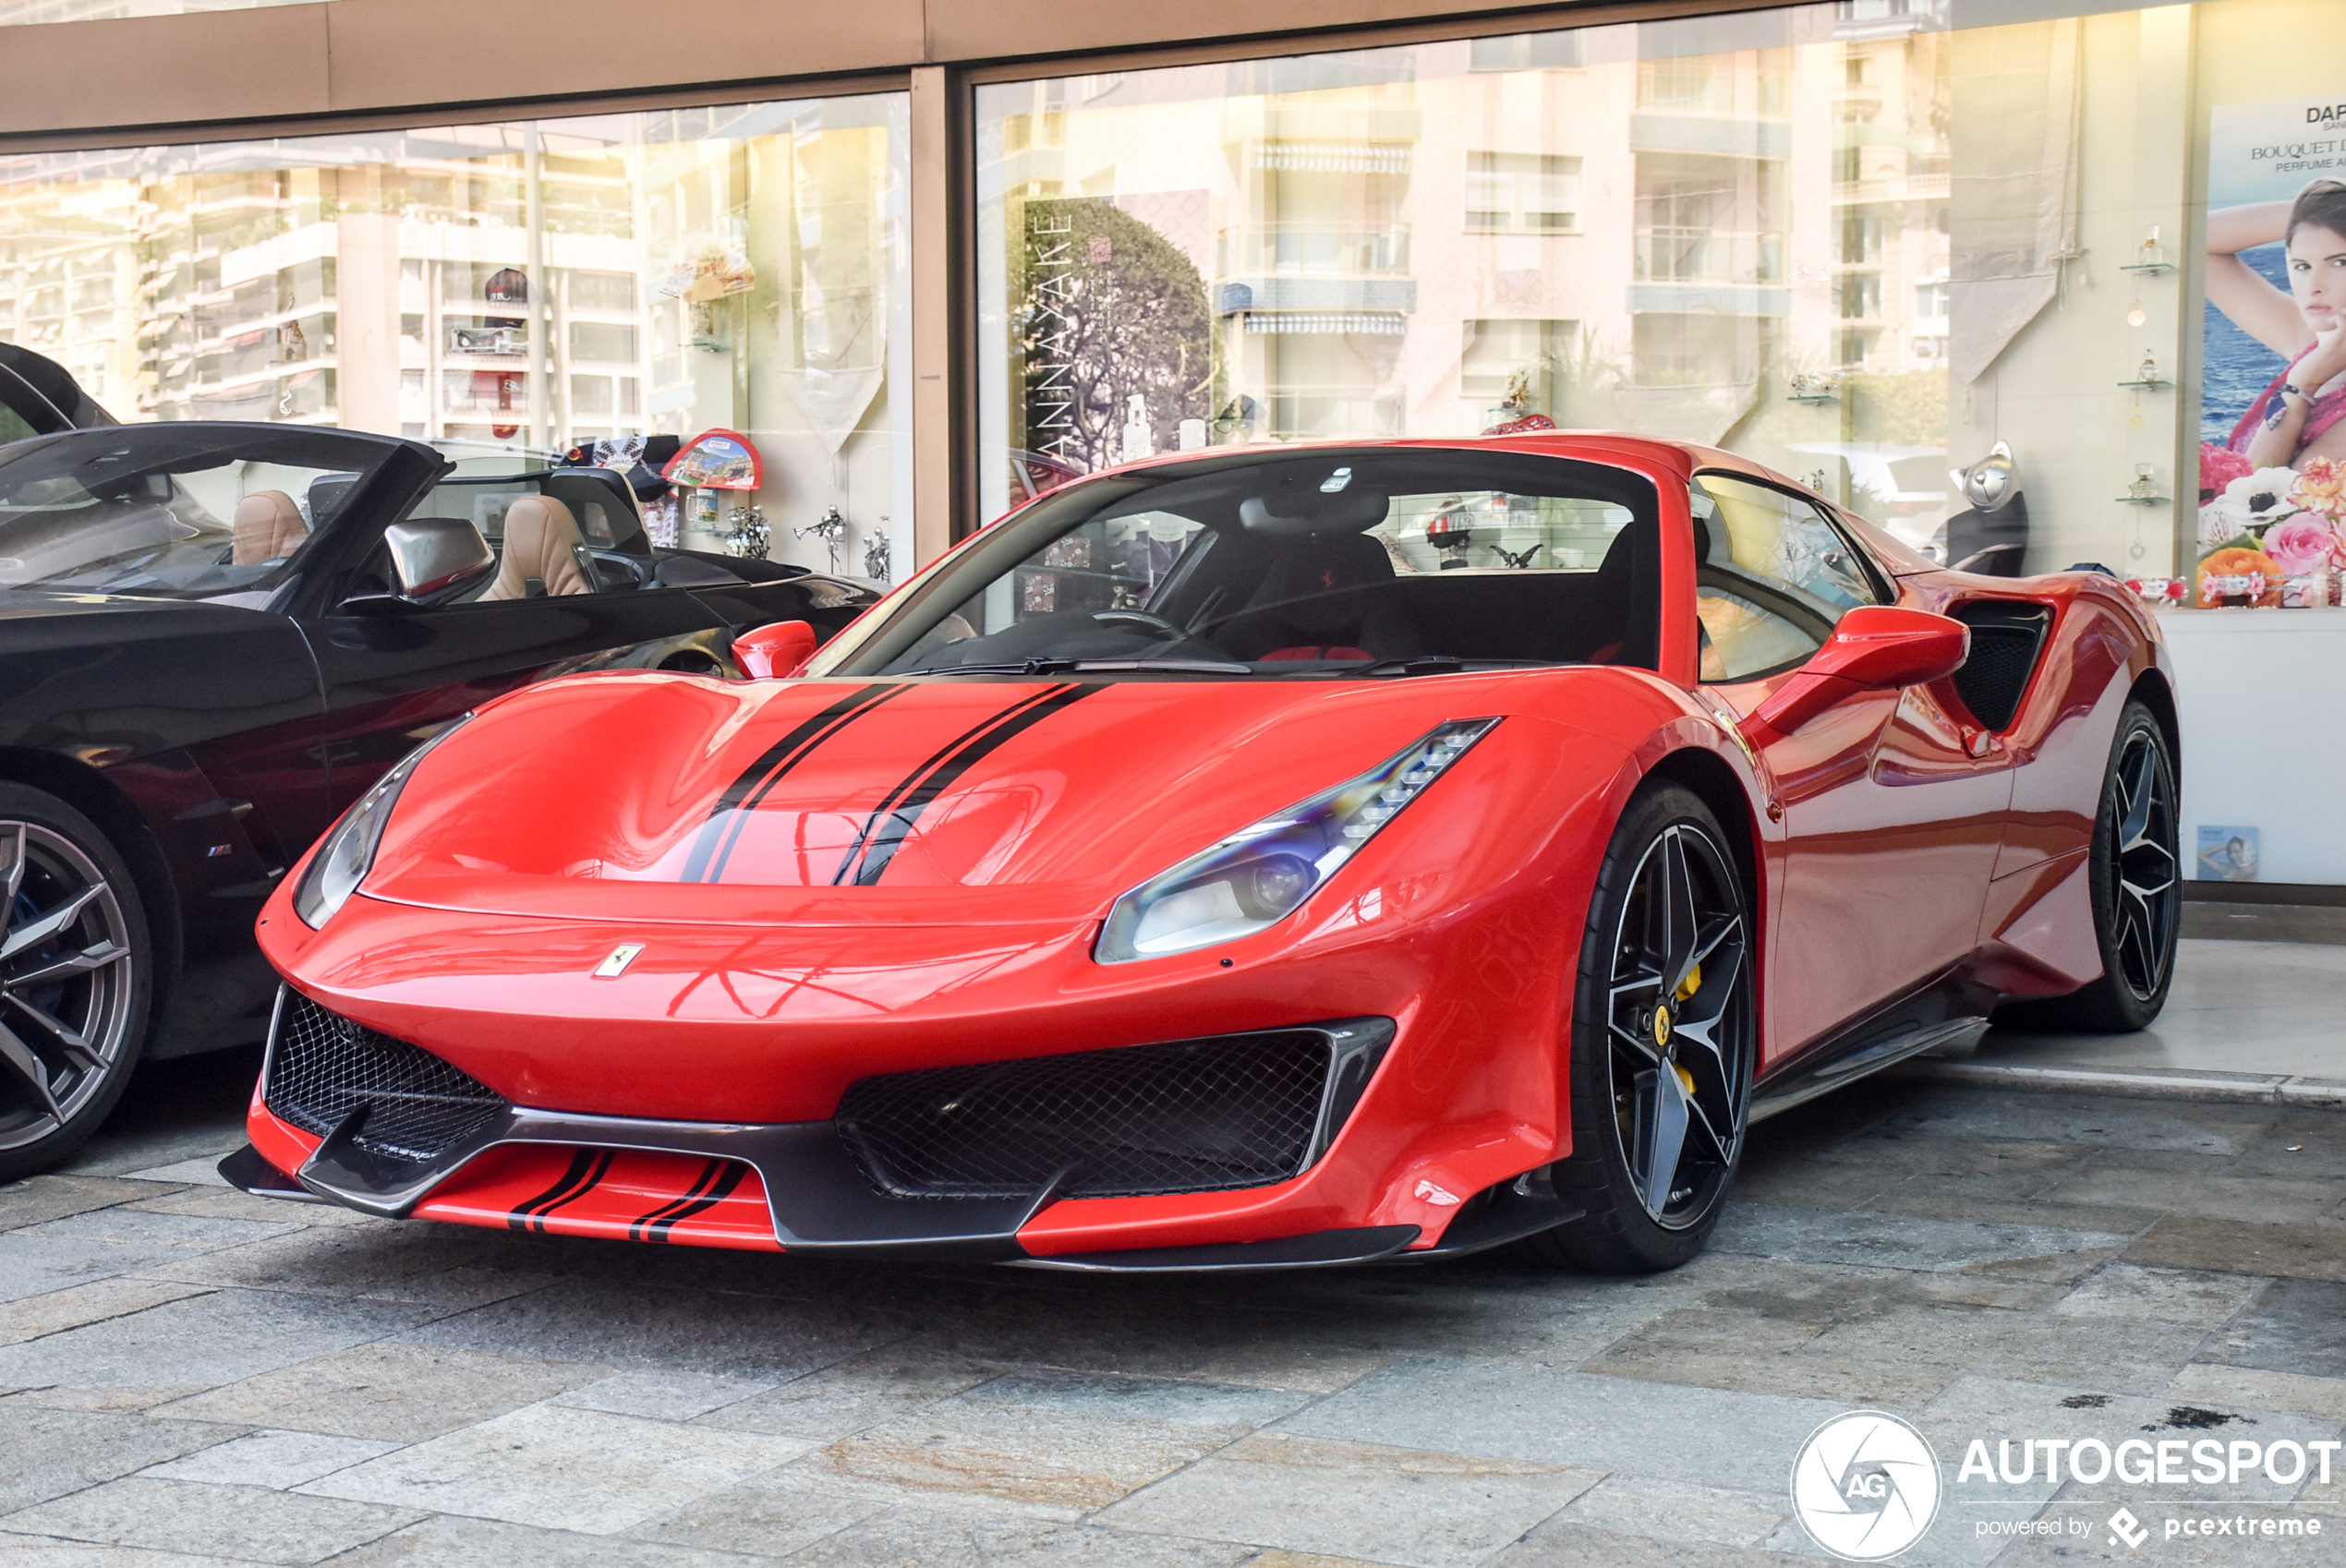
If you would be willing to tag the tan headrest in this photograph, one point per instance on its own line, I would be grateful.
(268, 528)
(541, 541)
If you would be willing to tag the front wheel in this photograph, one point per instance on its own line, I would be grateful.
(2138, 891)
(1664, 1035)
(74, 965)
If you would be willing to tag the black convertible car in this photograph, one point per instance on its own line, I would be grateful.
(213, 638)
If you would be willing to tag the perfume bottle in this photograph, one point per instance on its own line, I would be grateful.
(2144, 488)
(2148, 370)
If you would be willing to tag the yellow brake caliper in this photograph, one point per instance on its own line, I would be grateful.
(1688, 987)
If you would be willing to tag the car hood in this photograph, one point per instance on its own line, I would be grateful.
(939, 800)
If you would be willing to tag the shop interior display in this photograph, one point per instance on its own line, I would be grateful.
(1990, 534)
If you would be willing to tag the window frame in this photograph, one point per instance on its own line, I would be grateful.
(1878, 579)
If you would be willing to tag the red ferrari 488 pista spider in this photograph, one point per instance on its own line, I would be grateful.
(1264, 857)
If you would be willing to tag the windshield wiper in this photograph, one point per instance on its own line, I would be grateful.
(1090, 666)
(1439, 664)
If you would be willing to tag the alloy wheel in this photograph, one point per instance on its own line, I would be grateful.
(2145, 887)
(1679, 1026)
(66, 981)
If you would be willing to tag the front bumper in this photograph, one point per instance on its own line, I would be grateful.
(811, 1187)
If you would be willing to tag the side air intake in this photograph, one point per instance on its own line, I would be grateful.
(2007, 638)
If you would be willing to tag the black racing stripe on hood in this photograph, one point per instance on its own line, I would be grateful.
(894, 823)
(934, 759)
(761, 776)
(587, 1166)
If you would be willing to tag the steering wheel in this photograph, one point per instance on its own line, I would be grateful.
(1140, 618)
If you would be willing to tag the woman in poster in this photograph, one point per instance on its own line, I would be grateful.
(2303, 413)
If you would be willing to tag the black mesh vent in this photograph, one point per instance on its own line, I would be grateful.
(1191, 1117)
(2007, 636)
(324, 1066)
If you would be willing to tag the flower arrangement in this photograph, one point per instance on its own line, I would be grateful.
(2260, 528)
(2218, 466)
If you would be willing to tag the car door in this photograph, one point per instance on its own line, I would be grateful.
(1893, 802)
(594, 595)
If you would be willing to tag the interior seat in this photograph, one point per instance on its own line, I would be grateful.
(542, 553)
(266, 527)
(1320, 601)
(1611, 603)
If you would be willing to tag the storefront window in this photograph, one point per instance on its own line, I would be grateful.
(97, 10)
(17, 11)
(511, 293)
(1850, 241)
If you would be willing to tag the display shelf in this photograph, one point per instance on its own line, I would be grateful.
(1812, 397)
(2145, 501)
(2149, 267)
(2147, 386)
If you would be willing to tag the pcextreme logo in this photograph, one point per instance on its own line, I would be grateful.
(1866, 1486)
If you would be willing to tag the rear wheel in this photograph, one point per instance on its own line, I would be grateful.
(1664, 1038)
(2138, 891)
(74, 986)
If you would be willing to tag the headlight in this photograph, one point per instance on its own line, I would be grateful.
(1260, 874)
(344, 859)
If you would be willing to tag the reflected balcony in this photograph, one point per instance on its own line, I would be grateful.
(1290, 249)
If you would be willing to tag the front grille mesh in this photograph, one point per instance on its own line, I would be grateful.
(1189, 1117)
(323, 1065)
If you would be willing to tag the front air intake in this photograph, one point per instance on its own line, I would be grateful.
(322, 1067)
(1193, 1116)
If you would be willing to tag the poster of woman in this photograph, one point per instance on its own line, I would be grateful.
(2272, 468)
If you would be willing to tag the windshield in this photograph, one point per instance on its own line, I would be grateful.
(183, 510)
(1330, 564)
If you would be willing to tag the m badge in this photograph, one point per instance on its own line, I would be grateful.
(616, 965)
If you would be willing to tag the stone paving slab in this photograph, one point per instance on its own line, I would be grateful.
(224, 1521)
(560, 1468)
(1361, 1501)
(280, 1460)
(388, 1392)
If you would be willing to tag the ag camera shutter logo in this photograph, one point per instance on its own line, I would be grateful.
(1866, 1486)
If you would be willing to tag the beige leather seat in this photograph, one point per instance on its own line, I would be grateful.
(541, 542)
(268, 526)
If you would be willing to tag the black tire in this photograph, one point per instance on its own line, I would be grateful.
(75, 992)
(2136, 870)
(1692, 921)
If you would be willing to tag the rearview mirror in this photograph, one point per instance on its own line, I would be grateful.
(1875, 647)
(432, 556)
(778, 649)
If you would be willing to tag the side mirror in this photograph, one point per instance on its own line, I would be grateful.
(1875, 647)
(435, 556)
(781, 648)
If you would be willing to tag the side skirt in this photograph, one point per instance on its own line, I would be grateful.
(1946, 1011)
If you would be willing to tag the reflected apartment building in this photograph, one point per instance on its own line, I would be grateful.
(1625, 226)
(524, 284)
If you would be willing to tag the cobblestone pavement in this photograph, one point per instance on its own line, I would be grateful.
(189, 1375)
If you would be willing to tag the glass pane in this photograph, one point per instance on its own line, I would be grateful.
(15, 12)
(1333, 564)
(511, 293)
(150, 512)
(1850, 241)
